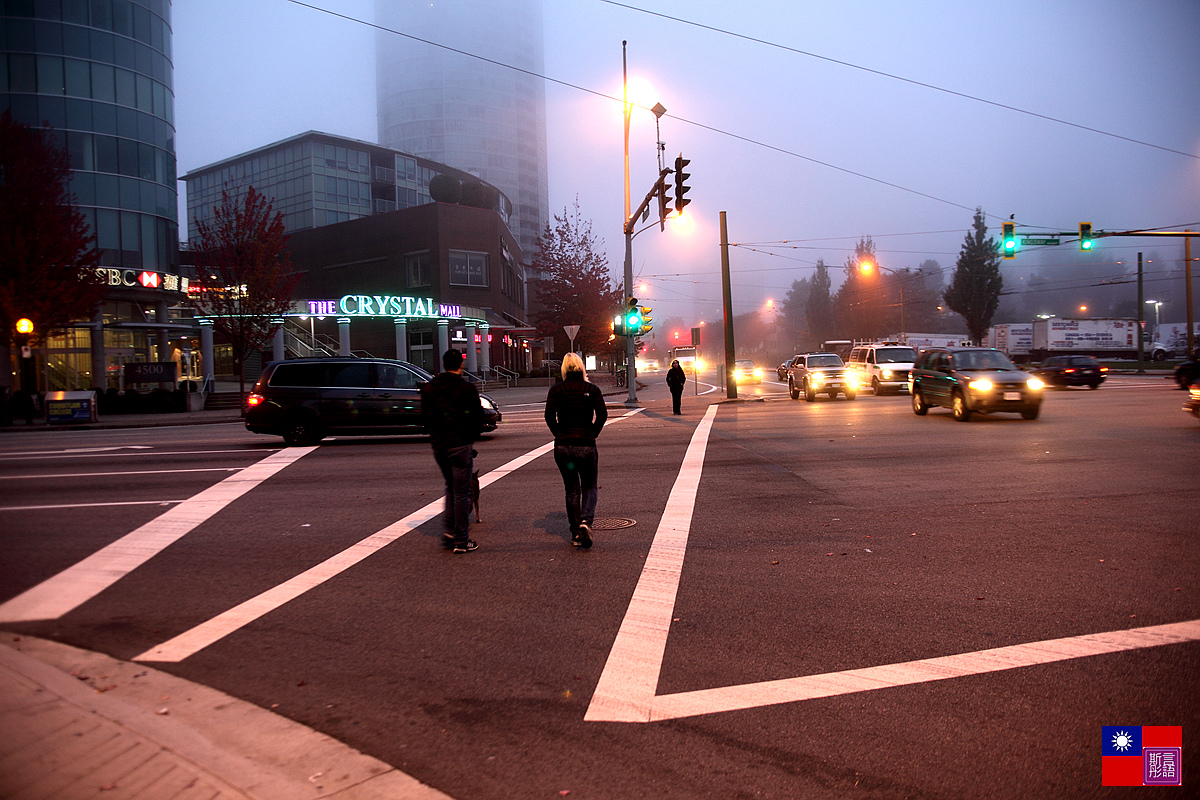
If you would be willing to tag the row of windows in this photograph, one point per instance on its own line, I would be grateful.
(53, 38)
(91, 189)
(69, 113)
(138, 19)
(135, 241)
(99, 153)
(55, 75)
(341, 190)
(346, 159)
(293, 156)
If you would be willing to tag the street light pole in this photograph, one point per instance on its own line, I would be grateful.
(630, 370)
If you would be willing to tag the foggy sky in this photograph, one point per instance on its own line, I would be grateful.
(793, 148)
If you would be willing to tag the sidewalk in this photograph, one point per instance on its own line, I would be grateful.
(82, 725)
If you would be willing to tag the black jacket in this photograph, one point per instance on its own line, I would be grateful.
(451, 411)
(575, 411)
(676, 378)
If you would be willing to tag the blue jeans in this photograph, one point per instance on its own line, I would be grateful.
(457, 464)
(578, 465)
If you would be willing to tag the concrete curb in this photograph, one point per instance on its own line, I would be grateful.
(237, 748)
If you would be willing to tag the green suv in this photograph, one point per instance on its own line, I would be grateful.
(972, 380)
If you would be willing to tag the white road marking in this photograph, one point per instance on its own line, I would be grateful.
(75, 585)
(51, 475)
(92, 505)
(65, 454)
(206, 633)
(790, 690)
(628, 686)
(625, 692)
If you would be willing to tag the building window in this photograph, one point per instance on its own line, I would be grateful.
(468, 269)
(420, 269)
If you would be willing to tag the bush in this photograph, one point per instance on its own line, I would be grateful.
(445, 189)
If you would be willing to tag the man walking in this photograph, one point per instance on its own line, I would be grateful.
(452, 414)
(676, 380)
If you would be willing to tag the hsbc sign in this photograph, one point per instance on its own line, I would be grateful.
(132, 278)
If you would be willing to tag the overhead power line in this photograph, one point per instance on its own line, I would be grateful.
(901, 78)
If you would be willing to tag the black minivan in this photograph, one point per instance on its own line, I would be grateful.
(305, 399)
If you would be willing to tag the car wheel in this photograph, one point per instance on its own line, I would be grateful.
(301, 431)
(809, 394)
(961, 412)
(851, 395)
(1031, 413)
(1093, 386)
(875, 388)
(918, 403)
(795, 393)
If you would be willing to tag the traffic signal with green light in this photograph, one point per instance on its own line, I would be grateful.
(681, 188)
(1085, 236)
(1008, 247)
(646, 326)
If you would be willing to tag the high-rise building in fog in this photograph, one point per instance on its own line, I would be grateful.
(480, 117)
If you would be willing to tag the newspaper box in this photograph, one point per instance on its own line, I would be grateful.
(71, 407)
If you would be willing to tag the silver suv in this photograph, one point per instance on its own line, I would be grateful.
(820, 373)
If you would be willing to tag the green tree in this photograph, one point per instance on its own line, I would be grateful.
(244, 274)
(47, 251)
(819, 307)
(974, 292)
(795, 313)
(578, 289)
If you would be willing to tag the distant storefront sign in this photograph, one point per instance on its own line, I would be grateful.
(151, 372)
(375, 305)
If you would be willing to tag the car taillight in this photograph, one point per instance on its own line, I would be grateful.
(254, 399)
(1069, 370)
(1104, 369)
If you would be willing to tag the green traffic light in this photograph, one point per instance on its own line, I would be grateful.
(633, 322)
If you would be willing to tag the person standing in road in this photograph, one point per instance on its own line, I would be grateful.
(676, 380)
(576, 414)
(453, 415)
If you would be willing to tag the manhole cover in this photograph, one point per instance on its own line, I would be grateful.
(612, 524)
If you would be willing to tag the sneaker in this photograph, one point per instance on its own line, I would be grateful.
(584, 538)
(466, 548)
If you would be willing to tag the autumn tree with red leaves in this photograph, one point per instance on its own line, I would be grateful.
(244, 274)
(578, 289)
(48, 256)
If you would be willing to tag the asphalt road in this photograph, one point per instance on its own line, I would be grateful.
(825, 539)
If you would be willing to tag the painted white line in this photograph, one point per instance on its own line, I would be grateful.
(626, 690)
(51, 476)
(66, 454)
(790, 690)
(92, 505)
(56, 596)
(206, 633)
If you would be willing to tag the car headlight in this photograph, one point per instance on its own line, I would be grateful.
(1036, 384)
(758, 374)
(487, 403)
(852, 378)
(981, 385)
(818, 377)
(886, 374)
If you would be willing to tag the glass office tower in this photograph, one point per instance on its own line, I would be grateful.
(98, 73)
(471, 114)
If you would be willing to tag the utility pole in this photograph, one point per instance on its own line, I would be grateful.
(1140, 324)
(1187, 280)
(727, 297)
(630, 345)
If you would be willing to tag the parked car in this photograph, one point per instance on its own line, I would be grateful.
(882, 365)
(305, 399)
(1071, 371)
(820, 373)
(744, 371)
(971, 380)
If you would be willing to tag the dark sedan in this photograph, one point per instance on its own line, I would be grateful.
(1066, 371)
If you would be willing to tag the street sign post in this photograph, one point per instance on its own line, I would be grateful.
(572, 332)
(1037, 242)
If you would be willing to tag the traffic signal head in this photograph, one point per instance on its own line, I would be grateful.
(618, 325)
(664, 205)
(1085, 236)
(681, 188)
(1008, 247)
(646, 326)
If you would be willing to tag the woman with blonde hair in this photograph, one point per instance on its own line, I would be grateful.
(576, 414)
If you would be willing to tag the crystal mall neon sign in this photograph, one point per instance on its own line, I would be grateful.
(363, 305)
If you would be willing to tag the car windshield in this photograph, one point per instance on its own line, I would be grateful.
(744, 364)
(825, 361)
(981, 359)
(895, 355)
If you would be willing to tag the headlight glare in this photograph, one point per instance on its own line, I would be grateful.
(981, 385)
(1036, 384)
